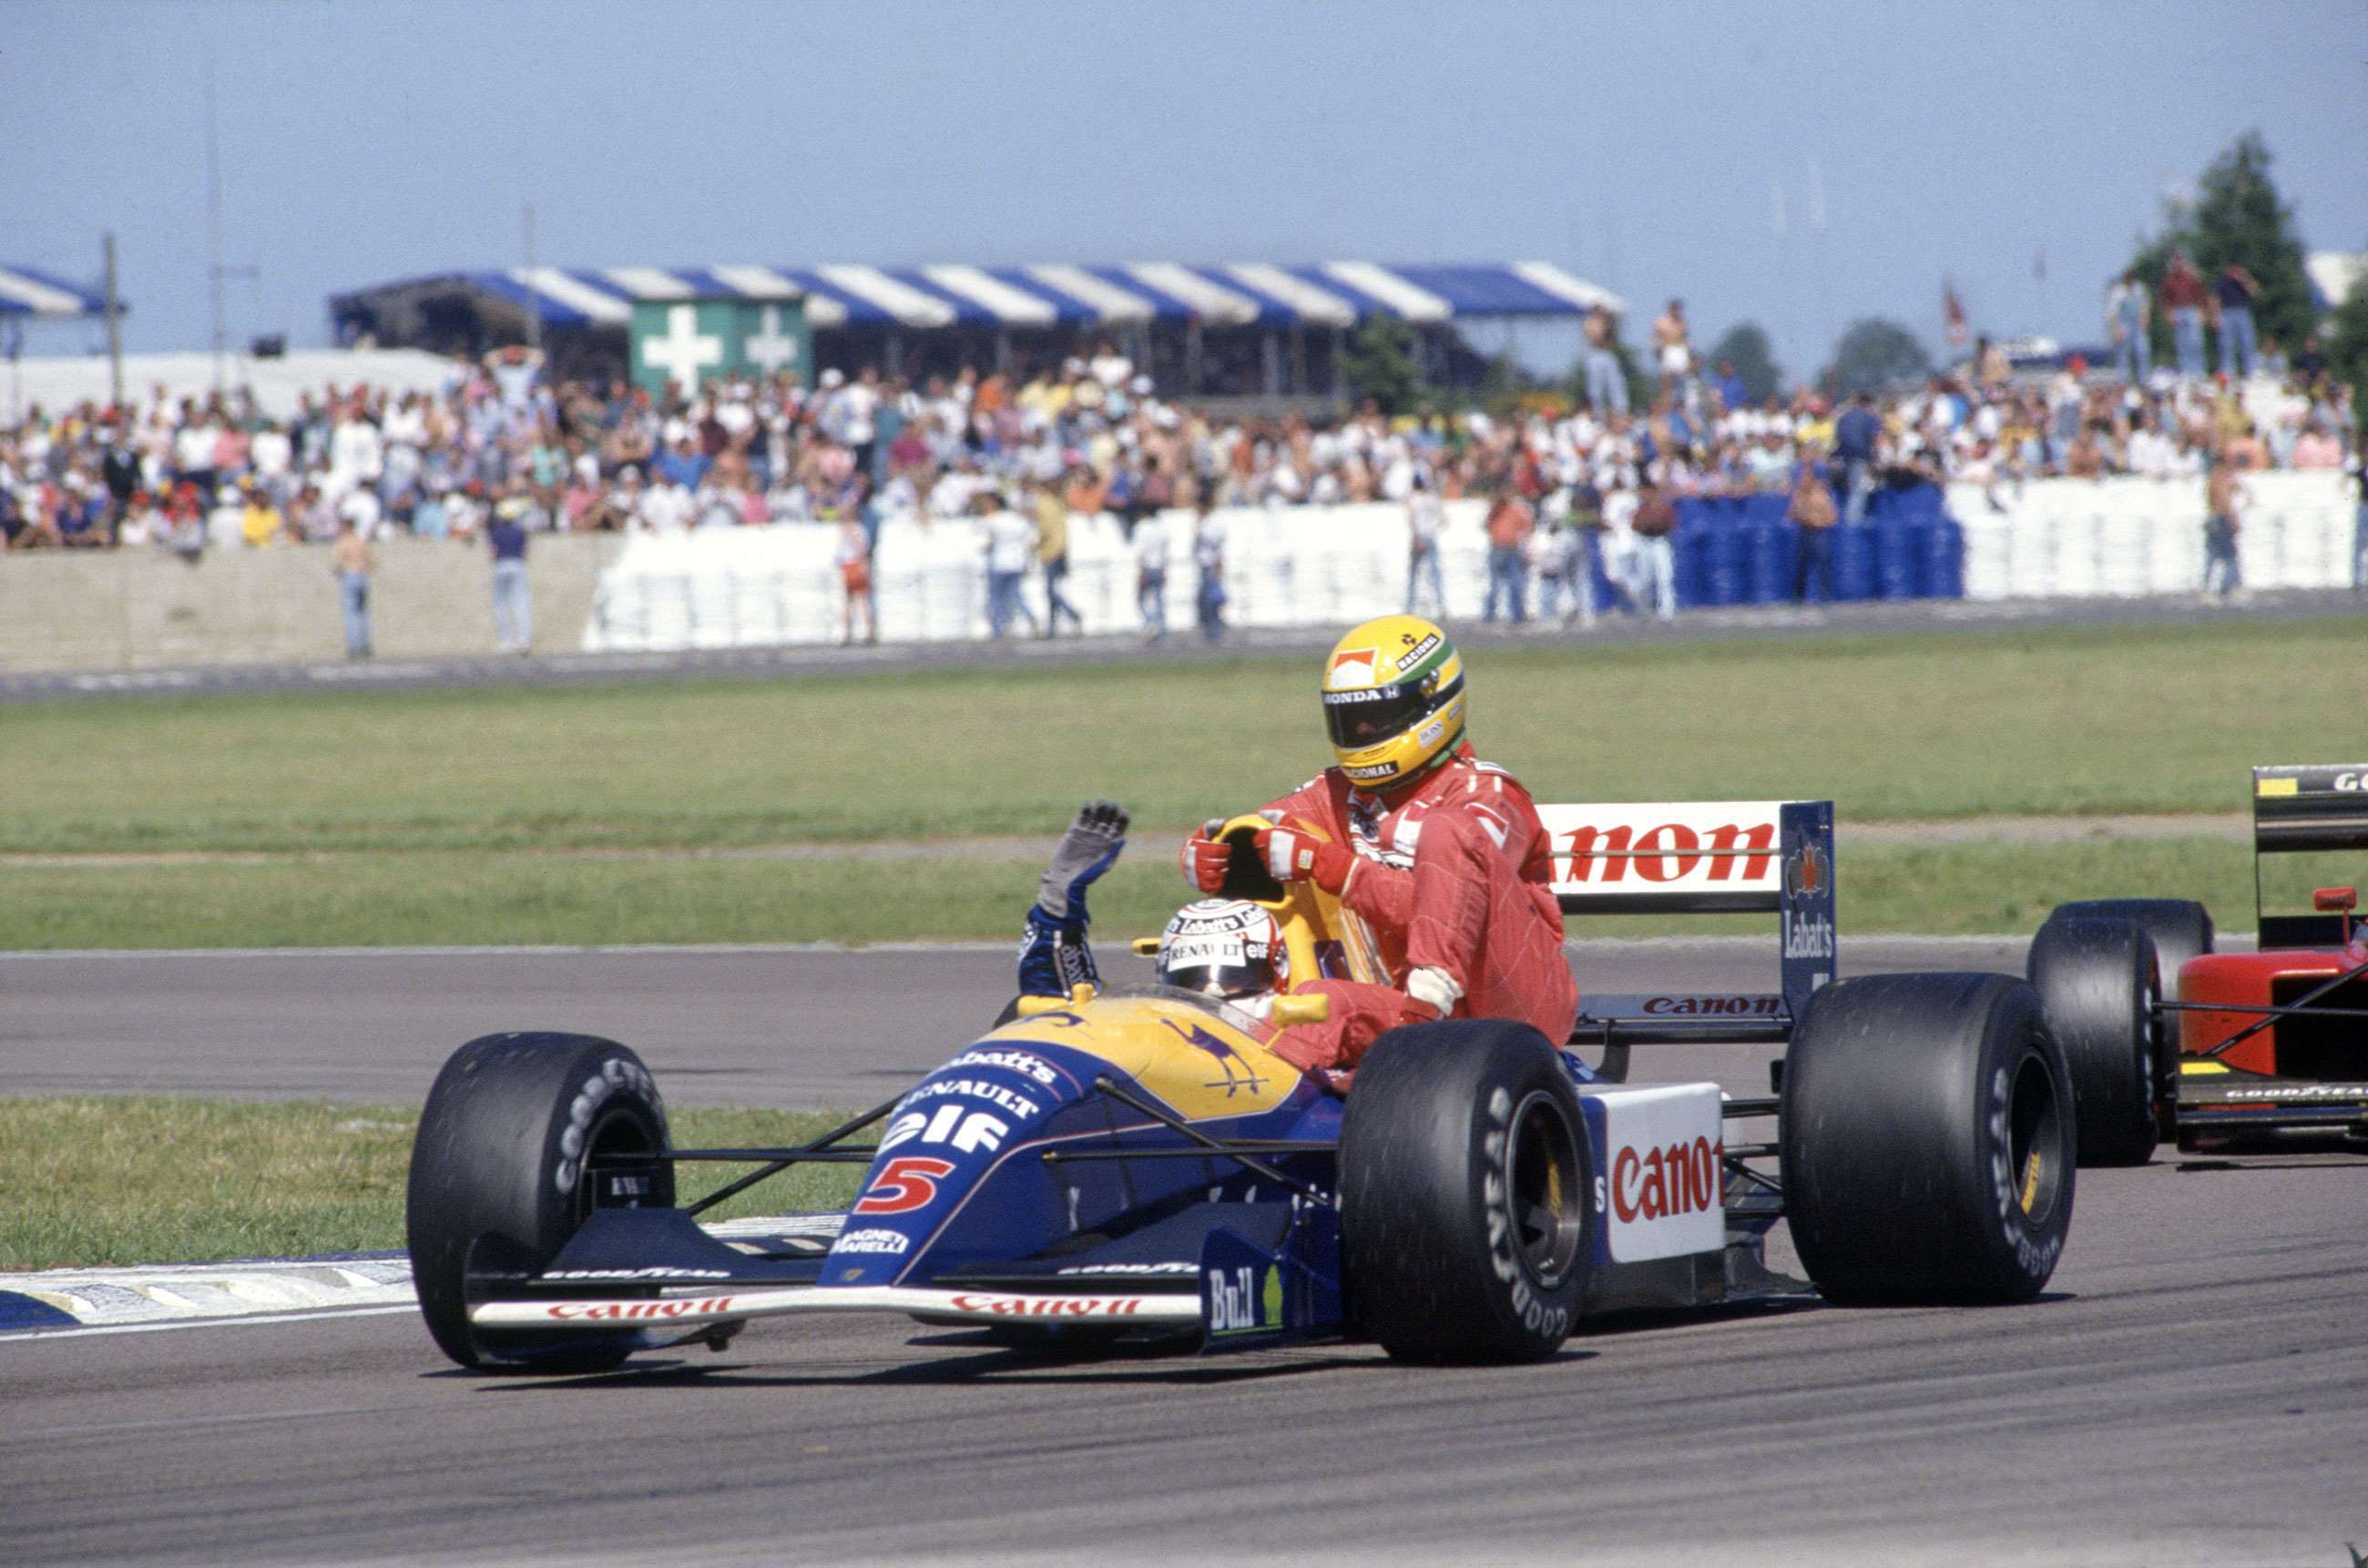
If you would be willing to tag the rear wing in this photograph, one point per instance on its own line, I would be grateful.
(1707, 857)
(2310, 806)
(2300, 807)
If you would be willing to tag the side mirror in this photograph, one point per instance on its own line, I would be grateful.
(1144, 946)
(1301, 1009)
(2334, 901)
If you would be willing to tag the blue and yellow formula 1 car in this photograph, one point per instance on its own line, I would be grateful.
(1139, 1164)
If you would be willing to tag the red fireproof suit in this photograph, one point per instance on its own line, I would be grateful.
(1450, 874)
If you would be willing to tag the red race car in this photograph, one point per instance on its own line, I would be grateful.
(2167, 1038)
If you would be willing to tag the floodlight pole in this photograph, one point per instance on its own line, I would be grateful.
(534, 300)
(114, 330)
(213, 219)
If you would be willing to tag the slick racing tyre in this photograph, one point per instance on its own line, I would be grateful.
(498, 1182)
(2179, 929)
(1926, 1141)
(1466, 1229)
(2097, 981)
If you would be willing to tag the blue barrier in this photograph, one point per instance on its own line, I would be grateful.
(1744, 551)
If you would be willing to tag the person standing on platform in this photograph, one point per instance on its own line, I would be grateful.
(2183, 295)
(2128, 318)
(2232, 295)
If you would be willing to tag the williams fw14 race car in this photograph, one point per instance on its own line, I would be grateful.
(1139, 1164)
(2168, 1039)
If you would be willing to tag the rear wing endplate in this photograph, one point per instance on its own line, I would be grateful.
(1706, 858)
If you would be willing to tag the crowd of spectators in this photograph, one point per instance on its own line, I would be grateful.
(192, 474)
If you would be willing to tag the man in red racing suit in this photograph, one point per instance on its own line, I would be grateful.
(1450, 875)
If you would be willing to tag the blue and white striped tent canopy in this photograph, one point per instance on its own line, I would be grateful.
(27, 291)
(1332, 293)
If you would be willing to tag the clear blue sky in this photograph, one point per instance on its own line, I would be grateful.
(1647, 146)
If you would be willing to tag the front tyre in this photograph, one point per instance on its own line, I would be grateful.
(1466, 1229)
(499, 1182)
(1926, 1139)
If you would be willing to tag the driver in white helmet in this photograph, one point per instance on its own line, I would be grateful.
(1228, 948)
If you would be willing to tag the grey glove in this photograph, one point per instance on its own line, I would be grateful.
(1085, 852)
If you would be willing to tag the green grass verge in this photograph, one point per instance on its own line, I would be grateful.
(1934, 725)
(497, 898)
(94, 1181)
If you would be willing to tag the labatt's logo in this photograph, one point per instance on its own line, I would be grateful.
(1807, 934)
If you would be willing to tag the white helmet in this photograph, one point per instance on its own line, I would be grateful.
(1224, 946)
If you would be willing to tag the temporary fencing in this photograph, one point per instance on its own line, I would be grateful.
(1327, 565)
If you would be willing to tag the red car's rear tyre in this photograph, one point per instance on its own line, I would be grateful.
(2098, 980)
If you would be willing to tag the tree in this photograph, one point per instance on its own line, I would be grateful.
(1747, 348)
(1874, 354)
(2237, 217)
(1381, 364)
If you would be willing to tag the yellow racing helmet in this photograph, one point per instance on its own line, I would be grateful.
(1393, 700)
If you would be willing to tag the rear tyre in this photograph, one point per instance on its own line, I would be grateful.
(1467, 1226)
(2098, 980)
(1927, 1144)
(2179, 929)
(498, 1182)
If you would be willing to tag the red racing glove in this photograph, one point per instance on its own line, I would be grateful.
(1295, 857)
(1204, 859)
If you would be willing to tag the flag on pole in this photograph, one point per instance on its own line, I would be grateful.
(1952, 313)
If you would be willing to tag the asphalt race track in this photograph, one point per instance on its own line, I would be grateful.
(2194, 1388)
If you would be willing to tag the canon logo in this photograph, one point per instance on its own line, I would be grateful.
(1050, 1306)
(606, 1311)
(1732, 852)
(1656, 1184)
(1711, 1007)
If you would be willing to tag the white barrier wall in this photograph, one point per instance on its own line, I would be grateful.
(2078, 537)
(739, 587)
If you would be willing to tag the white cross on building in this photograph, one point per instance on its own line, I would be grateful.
(684, 349)
(770, 348)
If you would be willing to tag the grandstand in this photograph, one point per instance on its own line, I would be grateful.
(1241, 328)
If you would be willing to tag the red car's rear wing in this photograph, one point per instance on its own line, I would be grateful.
(1707, 857)
(2299, 807)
